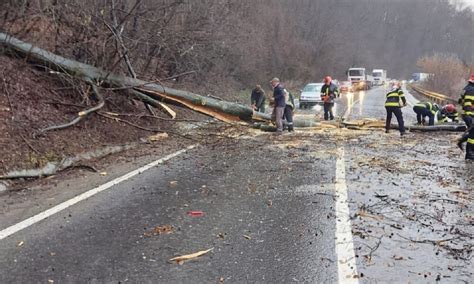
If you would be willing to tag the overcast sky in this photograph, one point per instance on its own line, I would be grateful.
(469, 3)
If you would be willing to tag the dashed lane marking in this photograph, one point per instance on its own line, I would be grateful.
(60, 207)
(346, 262)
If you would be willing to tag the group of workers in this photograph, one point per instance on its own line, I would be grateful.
(432, 110)
(395, 100)
(284, 103)
(284, 106)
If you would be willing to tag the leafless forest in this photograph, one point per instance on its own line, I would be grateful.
(240, 43)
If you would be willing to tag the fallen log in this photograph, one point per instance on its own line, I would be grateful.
(54, 167)
(147, 92)
(371, 124)
(439, 127)
(231, 112)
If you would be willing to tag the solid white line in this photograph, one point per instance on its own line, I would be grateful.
(346, 263)
(58, 208)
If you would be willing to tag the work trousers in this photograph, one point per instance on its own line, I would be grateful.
(277, 116)
(421, 113)
(398, 113)
(288, 115)
(328, 115)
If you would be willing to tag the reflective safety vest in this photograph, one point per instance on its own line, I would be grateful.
(394, 97)
(428, 106)
(290, 101)
(467, 100)
(468, 104)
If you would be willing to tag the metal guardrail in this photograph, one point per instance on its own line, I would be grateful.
(436, 97)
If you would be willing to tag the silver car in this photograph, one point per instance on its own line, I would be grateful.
(311, 95)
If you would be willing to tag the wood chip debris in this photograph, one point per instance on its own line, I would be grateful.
(182, 258)
(158, 137)
(363, 213)
(165, 229)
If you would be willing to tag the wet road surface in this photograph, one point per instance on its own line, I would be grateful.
(362, 104)
(262, 225)
(269, 213)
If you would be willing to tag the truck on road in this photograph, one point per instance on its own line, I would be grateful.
(420, 77)
(380, 77)
(359, 79)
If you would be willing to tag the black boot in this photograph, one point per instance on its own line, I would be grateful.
(290, 128)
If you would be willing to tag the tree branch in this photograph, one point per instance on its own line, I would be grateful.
(149, 116)
(81, 114)
(129, 123)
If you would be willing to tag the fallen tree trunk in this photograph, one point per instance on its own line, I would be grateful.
(371, 124)
(439, 127)
(226, 111)
(145, 91)
(52, 168)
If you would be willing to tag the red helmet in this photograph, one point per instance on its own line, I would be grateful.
(450, 108)
(327, 79)
(472, 78)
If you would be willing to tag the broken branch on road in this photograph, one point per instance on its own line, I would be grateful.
(182, 258)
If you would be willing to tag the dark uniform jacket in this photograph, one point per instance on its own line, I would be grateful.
(467, 99)
(394, 97)
(329, 93)
(279, 96)
(257, 97)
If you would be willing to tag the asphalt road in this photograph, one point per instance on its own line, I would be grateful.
(252, 189)
(363, 104)
(272, 209)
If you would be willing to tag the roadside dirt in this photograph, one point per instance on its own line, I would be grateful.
(32, 99)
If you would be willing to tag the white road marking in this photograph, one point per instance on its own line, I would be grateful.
(346, 262)
(58, 208)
